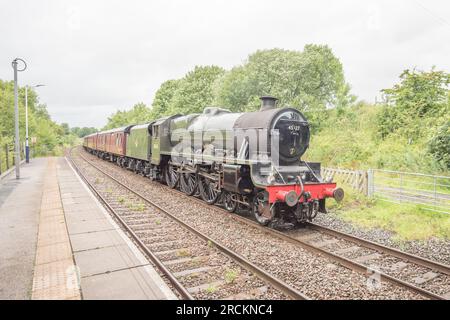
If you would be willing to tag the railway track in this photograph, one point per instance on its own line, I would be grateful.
(306, 238)
(197, 266)
(365, 257)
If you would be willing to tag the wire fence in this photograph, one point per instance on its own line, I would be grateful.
(431, 192)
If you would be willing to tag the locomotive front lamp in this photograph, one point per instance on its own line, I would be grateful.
(289, 197)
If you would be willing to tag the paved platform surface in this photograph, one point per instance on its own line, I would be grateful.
(20, 202)
(55, 273)
(69, 246)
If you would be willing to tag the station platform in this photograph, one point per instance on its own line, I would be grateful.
(58, 242)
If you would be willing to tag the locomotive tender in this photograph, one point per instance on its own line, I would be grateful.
(244, 160)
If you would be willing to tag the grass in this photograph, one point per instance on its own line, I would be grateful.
(211, 288)
(139, 207)
(231, 275)
(121, 200)
(136, 206)
(183, 253)
(408, 222)
(197, 261)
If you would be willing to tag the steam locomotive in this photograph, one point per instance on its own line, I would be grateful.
(249, 160)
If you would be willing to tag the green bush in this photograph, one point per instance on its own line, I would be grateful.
(52, 138)
(439, 145)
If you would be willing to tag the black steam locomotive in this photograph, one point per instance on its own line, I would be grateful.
(243, 160)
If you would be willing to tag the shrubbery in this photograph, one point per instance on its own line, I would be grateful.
(51, 138)
(409, 131)
(309, 80)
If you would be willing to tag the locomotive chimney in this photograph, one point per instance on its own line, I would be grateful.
(268, 103)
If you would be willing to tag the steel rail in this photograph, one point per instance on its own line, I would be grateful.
(179, 287)
(353, 265)
(275, 282)
(434, 265)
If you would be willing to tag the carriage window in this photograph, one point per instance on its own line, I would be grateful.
(156, 131)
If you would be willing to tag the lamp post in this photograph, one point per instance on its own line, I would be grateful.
(27, 147)
(15, 62)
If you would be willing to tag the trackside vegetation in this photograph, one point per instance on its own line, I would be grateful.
(51, 138)
(409, 130)
(405, 221)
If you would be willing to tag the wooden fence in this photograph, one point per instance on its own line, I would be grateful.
(6, 157)
(357, 179)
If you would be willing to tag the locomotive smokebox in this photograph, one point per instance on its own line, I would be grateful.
(268, 102)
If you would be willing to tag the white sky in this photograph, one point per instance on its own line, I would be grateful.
(100, 56)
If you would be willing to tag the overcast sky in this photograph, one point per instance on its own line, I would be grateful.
(100, 56)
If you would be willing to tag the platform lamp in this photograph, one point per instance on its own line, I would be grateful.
(15, 64)
(27, 147)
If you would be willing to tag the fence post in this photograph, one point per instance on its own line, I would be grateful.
(7, 156)
(401, 187)
(362, 182)
(370, 185)
(435, 193)
(1, 162)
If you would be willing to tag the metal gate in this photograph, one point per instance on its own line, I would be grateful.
(430, 191)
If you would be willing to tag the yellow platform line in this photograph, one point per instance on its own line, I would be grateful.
(56, 277)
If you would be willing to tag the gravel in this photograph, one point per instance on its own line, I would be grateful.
(197, 252)
(314, 275)
(434, 249)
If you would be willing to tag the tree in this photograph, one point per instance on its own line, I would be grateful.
(310, 80)
(195, 90)
(439, 145)
(419, 102)
(417, 110)
(163, 98)
(51, 136)
(82, 132)
(65, 128)
(138, 114)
